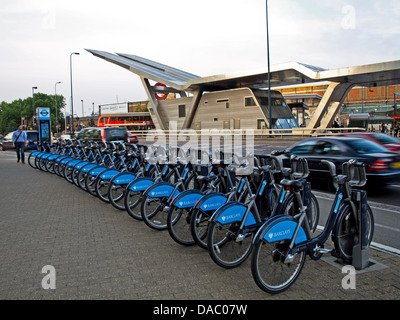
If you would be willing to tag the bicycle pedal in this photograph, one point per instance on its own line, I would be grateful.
(319, 250)
(240, 237)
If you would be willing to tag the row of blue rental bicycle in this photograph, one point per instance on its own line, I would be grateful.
(229, 204)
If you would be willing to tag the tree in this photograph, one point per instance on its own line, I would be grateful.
(11, 113)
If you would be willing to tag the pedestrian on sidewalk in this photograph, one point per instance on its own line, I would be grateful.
(19, 140)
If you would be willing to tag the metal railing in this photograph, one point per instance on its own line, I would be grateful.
(256, 133)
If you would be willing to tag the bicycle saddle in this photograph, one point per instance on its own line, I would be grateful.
(206, 178)
(293, 183)
(242, 171)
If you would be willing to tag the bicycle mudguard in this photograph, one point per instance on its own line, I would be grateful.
(59, 158)
(88, 167)
(73, 162)
(53, 157)
(141, 184)
(211, 201)
(65, 160)
(109, 174)
(279, 228)
(40, 154)
(45, 155)
(35, 153)
(79, 165)
(161, 189)
(96, 170)
(187, 198)
(233, 212)
(123, 178)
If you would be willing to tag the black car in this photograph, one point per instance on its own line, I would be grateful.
(108, 134)
(382, 165)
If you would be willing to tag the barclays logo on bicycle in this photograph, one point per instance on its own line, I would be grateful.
(212, 206)
(284, 230)
(187, 203)
(162, 193)
(279, 234)
(231, 217)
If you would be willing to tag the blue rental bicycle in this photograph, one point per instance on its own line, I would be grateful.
(233, 226)
(282, 243)
(235, 190)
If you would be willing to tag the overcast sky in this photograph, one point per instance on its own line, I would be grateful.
(207, 37)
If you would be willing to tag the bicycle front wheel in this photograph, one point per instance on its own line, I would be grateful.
(346, 233)
(268, 267)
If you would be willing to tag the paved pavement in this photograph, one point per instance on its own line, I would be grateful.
(99, 252)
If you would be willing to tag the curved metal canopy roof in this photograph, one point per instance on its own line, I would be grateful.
(379, 74)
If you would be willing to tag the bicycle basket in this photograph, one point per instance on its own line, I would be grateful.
(299, 167)
(355, 173)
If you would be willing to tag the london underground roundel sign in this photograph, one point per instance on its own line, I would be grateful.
(159, 94)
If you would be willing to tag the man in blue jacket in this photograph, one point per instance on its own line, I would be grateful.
(19, 140)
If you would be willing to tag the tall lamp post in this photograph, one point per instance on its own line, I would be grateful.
(269, 74)
(33, 104)
(55, 102)
(82, 115)
(72, 97)
(394, 107)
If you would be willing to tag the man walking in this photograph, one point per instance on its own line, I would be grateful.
(19, 140)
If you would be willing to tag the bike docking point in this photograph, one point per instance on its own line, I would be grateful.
(360, 258)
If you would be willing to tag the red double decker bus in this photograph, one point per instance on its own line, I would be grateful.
(133, 121)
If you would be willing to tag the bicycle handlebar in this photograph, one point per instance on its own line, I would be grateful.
(353, 173)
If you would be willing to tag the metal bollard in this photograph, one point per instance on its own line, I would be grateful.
(360, 250)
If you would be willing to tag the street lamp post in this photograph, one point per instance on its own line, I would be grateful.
(394, 107)
(33, 104)
(269, 73)
(72, 97)
(55, 102)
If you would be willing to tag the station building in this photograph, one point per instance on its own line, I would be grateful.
(300, 94)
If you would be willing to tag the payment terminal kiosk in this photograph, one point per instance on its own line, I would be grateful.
(44, 127)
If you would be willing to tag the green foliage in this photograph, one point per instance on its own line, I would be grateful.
(12, 113)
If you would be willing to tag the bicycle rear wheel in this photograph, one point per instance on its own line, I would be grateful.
(32, 157)
(90, 184)
(199, 226)
(132, 200)
(292, 209)
(154, 213)
(81, 180)
(37, 160)
(116, 195)
(42, 162)
(269, 270)
(101, 187)
(178, 224)
(50, 164)
(223, 246)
